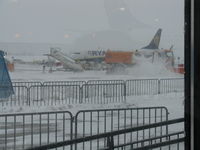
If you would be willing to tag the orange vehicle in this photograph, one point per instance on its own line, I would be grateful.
(123, 57)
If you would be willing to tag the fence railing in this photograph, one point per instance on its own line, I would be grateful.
(54, 95)
(27, 84)
(103, 93)
(92, 91)
(27, 130)
(94, 122)
(171, 85)
(80, 83)
(142, 87)
(148, 143)
(19, 98)
(156, 142)
(105, 81)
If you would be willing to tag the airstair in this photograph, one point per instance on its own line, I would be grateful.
(68, 63)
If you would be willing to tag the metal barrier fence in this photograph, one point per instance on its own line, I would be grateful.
(105, 81)
(27, 84)
(22, 131)
(172, 141)
(142, 87)
(27, 130)
(20, 97)
(93, 91)
(54, 95)
(80, 83)
(171, 85)
(103, 93)
(94, 122)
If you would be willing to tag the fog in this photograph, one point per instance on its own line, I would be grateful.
(90, 24)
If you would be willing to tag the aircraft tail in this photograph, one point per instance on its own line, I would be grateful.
(154, 44)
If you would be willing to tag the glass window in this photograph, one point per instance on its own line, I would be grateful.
(92, 55)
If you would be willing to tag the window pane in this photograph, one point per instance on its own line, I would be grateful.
(92, 54)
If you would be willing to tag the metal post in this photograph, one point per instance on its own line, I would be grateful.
(125, 91)
(158, 86)
(110, 143)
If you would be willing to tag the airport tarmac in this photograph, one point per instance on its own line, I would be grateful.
(27, 72)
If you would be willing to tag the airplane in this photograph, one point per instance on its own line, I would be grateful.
(76, 60)
(148, 51)
(120, 20)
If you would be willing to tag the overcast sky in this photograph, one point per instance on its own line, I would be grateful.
(66, 21)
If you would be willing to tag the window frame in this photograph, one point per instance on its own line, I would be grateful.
(192, 74)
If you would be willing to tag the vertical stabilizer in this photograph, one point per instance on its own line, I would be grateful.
(154, 44)
(6, 88)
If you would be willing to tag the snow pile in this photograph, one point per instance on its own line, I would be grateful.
(173, 102)
(147, 69)
(143, 69)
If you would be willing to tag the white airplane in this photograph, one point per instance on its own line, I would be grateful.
(148, 51)
(75, 60)
(98, 55)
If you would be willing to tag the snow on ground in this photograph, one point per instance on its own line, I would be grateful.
(173, 102)
(147, 70)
